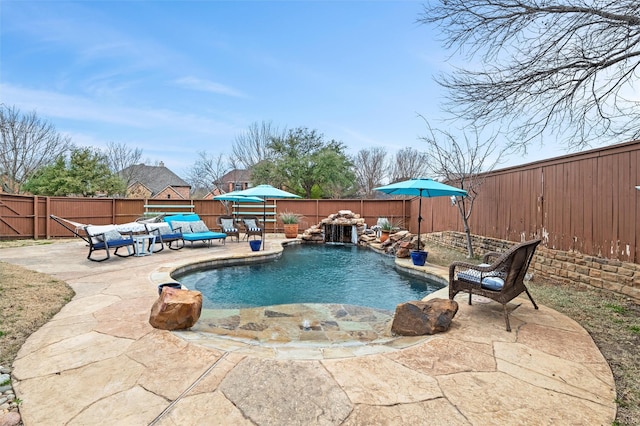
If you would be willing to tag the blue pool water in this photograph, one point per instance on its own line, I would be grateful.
(311, 274)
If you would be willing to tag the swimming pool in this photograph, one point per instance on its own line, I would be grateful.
(329, 274)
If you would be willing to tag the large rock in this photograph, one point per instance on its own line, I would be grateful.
(176, 309)
(404, 249)
(417, 318)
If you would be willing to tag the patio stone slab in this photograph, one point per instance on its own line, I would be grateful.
(438, 412)
(376, 380)
(69, 354)
(500, 399)
(204, 409)
(271, 392)
(55, 399)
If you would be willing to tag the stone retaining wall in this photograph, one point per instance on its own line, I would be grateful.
(570, 268)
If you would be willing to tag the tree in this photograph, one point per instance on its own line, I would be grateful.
(252, 146)
(120, 157)
(207, 172)
(370, 169)
(563, 67)
(86, 174)
(302, 161)
(28, 144)
(408, 163)
(463, 164)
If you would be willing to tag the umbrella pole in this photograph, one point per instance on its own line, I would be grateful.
(419, 217)
(264, 222)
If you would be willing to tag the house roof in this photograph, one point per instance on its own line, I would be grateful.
(156, 178)
(237, 175)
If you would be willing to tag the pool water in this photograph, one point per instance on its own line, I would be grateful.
(311, 274)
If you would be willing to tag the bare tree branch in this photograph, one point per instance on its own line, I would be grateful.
(408, 163)
(561, 67)
(28, 144)
(120, 157)
(370, 169)
(207, 172)
(462, 162)
(252, 146)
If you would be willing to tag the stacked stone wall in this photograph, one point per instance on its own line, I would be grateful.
(570, 268)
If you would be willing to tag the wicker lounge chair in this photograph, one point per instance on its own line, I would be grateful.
(252, 226)
(502, 280)
(228, 225)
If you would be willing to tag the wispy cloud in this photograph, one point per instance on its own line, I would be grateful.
(201, 85)
(82, 109)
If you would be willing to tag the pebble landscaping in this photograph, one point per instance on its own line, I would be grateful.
(9, 415)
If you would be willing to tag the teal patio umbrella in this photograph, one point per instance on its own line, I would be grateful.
(263, 192)
(421, 187)
(237, 198)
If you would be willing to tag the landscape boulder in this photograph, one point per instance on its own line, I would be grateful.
(404, 249)
(176, 309)
(417, 318)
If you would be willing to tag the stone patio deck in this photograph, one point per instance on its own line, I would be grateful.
(99, 361)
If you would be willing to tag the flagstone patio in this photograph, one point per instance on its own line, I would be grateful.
(98, 360)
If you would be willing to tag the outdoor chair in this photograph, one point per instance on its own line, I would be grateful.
(252, 226)
(228, 225)
(501, 281)
(106, 237)
(165, 235)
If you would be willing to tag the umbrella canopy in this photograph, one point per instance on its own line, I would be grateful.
(423, 188)
(237, 198)
(264, 192)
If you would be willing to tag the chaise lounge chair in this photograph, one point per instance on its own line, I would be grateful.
(252, 227)
(228, 225)
(193, 228)
(106, 237)
(502, 280)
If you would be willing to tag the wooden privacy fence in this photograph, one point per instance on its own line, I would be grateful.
(584, 202)
(28, 217)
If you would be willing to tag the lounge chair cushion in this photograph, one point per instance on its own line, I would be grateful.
(163, 228)
(199, 226)
(185, 227)
(101, 233)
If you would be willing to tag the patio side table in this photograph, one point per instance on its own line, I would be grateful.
(140, 246)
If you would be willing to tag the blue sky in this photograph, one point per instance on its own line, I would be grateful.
(178, 77)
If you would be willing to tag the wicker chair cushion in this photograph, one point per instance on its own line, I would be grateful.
(251, 224)
(490, 280)
(227, 225)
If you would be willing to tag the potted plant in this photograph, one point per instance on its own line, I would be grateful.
(388, 227)
(290, 222)
(385, 229)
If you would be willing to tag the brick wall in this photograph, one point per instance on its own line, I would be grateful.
(571, 268)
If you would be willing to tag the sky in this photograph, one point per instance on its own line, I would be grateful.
(176, 78)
